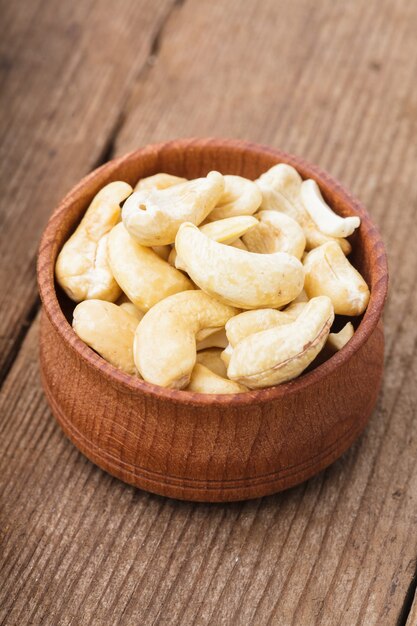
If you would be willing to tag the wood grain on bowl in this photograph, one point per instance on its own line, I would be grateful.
(206, 447)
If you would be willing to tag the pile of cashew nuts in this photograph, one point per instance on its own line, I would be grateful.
(214, 285)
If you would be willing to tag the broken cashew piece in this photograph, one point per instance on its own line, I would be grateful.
(275, 232)
(322, 215)
(336, 341)
(204, 380)
(165, 346)
(277, 355)
(329, 273)
(281, 191)
(82, 268)
(152, 216)
(211, 358)
(158, 181)
(236, 277)
(241, 196)
(108, 329)
(144, 277)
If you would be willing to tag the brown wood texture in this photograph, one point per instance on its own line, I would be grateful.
(196, 446)
(332, 81)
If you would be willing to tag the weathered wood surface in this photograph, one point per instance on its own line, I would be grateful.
(334, 82)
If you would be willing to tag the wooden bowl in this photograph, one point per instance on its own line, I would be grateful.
(209, 447)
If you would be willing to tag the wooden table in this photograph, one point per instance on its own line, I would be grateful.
(83, 81)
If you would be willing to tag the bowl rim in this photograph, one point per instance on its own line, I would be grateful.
(52, 308)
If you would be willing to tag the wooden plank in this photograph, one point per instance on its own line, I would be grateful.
(333, 82)
(66, 69)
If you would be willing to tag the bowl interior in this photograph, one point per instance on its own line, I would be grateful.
(193, 158)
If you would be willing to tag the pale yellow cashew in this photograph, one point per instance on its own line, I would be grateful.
(243, 279)
(277, 355)
(217, 339)
(108, 329)
(302, 297)
(165, 344)
(82, 268)
(275, 232)
(153, 216)
(336, 341)
(211, 358)
(240, 197)
(204, 380)
(142, 274)
(281, 191)
(225, 231)
(329, 273)
(322, 215)
(229, 229)
(158, 181)
(249, 322)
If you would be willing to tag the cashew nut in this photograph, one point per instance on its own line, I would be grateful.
(239, 244)
(81, 268)
(249, 322)
(329, 273)
(108, 329)
(158, 181)
(204, 380)
(243, 279)
(322, 215)
(240, 197)
(336, 341)
(144, 277)
(216, 339)
(225, 231)
(153, 216)
(281, 191)
(277, 355)
(211, 358)
(229, 229)
(165, 345)
(275, 232)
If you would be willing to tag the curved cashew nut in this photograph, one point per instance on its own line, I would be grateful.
(141, 273)
(225, 231)
(108, 329)
(158, 181)
(336, 341)
(229, 229)
(322, 215)
(165, 345)
(243, 279)
(81, 268)
(249, 322)
(153, 216)
(275, 232)
(204, 380)
(281, 191)
(240, 197)
(211, 358)
(329, 273)
(277, 355)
